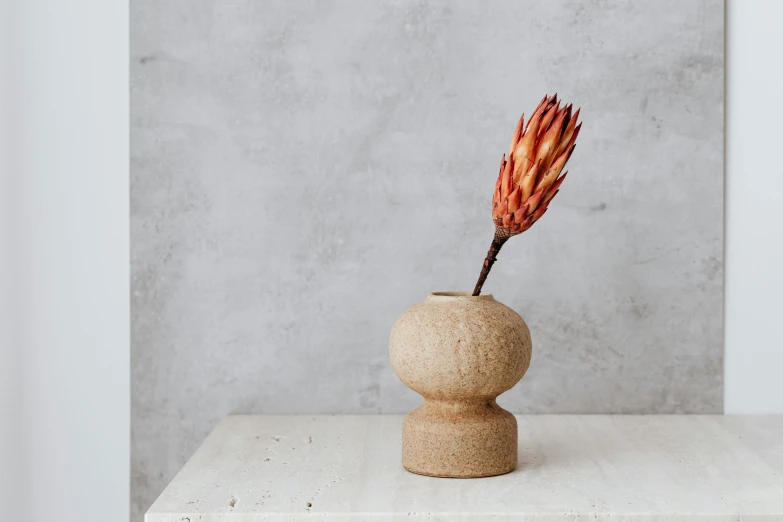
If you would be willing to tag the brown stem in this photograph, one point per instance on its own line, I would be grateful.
(497, 243)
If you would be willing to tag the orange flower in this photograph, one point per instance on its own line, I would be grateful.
(530, 176)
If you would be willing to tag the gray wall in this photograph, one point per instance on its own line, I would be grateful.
(302, 172)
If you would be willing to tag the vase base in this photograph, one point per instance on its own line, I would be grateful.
(463, 439)
(493, 474)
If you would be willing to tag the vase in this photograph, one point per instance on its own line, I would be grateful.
(459, 352)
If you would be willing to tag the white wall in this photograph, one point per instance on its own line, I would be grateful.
(754, 208)
(10, 364)
(65, 215)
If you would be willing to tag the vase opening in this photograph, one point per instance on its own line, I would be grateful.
(449, 296)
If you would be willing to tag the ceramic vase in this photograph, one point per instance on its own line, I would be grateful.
(459, 352)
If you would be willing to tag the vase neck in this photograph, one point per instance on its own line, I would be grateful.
(462, 407)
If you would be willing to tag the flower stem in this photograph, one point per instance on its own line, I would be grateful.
(497, 243)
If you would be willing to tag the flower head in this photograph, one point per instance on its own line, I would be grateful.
(530, 176)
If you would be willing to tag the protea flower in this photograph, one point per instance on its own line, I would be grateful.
(531, 174)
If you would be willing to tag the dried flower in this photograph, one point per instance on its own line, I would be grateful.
(531, 174)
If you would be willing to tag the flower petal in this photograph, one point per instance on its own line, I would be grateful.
(548, 116)
(551, 175)
(550, 142)
(570, 145)
(533, 202)
(505, 178)
(514, 200)
(517, 134)
(527, 223)
(522, 166)
(568, 132)
(528, 181)
(554, 189)
(538, 213)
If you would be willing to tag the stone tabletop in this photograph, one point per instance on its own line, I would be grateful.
(571, 467)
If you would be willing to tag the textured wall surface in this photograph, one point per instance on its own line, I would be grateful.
(302, 172)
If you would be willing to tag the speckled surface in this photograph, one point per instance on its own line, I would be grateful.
(459, 352)
(572, 468)
(302, 172)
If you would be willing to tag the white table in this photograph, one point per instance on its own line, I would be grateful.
(598, 467)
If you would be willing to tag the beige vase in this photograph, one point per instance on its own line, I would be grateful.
(459, 352)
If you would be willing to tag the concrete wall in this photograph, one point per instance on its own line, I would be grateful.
(302, 172)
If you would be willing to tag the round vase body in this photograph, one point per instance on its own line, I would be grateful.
(459, 352)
